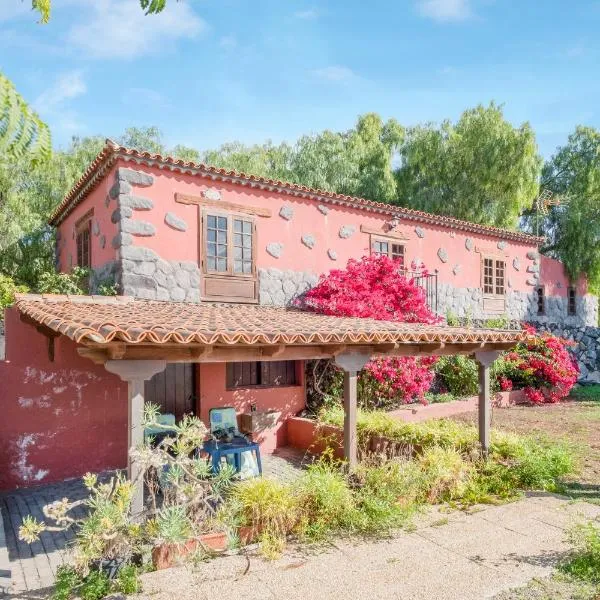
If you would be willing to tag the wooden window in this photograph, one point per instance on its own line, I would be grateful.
(389, 248)
(540, 298)
(571, 301)
(228, 257)
(493, 282)
(83, 240)
(277, 373)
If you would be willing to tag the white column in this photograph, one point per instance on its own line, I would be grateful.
(135, 373)
(351, 363)
(484, 360)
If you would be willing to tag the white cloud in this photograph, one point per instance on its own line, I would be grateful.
(120, 29)
(445, 10)
(65, 87)
(307, 15)
(335, 73)
(576, 51)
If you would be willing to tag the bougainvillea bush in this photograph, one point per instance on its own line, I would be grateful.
(542, 366)
(376, 287)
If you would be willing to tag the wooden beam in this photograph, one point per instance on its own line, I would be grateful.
(200, 353)
(395, 235)
(273, 351)
(223, 205)
(350, 411)
(116, 351)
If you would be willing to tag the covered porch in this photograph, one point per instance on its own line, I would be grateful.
(135, 339)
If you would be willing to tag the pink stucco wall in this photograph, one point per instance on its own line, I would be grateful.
(59, 419)
(102, 216)
(175, 245)
(287, 400)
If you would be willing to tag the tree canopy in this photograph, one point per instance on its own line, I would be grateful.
(481, 169)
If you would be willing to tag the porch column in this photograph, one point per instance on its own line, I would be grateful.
(351, 363)
(484, 360)
(135, 373)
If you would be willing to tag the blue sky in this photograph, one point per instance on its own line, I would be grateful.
(212, 71)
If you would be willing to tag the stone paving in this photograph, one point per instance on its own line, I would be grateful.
(28, 567)
(454, 556)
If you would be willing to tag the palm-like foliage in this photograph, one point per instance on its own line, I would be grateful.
(22, 132)
(44, 7)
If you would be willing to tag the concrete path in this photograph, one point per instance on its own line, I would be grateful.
(449, 556)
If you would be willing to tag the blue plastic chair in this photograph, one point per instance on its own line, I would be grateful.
(228, 444)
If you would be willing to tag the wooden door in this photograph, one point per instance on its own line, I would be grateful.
(174, 389)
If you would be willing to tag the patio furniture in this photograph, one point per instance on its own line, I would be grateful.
(229, 446)
(164, 427)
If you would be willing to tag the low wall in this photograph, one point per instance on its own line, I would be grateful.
(314, 437)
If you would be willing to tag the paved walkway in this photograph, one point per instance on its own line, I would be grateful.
(25, 568)
(448, 557)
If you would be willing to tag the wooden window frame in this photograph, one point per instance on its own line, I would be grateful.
(238, 287)
(493, 302)
(572, 301)
(391, 241)
(82, 227)
(261, 368)
(540, 298)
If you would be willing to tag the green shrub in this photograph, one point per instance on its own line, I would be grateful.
(447, 474)
(497, 323)
(439, 398)
(325, 499)
(173, 525)
(459, 375)
(128, 581)
(75, 282)
(590, 393)
(67, 579)
(584, 563)
(95, 586)
(8, 289)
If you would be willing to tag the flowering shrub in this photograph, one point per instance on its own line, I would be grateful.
(542, 366)
(375, 287)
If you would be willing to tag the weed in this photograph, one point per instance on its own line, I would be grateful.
(584, 563)
(586, 392)
(95, 586)
(67, 579)
(128, 581)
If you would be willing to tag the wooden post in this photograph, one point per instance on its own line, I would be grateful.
(485, 359)
(135, 373)
(350, 409)
(351, 363)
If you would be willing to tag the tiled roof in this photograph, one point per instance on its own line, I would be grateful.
(112, 151)
(102, 319)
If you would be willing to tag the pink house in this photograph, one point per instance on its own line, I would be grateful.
(166, 230)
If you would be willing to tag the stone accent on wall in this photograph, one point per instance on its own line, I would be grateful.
(138, 228)
(443, 255)
(135, 202)
(347, 231)
(175, 222)
(108, 273)
(420, 232)
(212, 194)
(516, 264)
(309, 240)
(323, 209)
(332, 254)
(96, 228)
(520, 306)
(279, 288)
(533, 255)
(286, 212)
(501, 245)
(134, 177)
(275, 249)
(469, 244)
(146, 275)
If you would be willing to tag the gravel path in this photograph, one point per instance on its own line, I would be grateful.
(455, 556)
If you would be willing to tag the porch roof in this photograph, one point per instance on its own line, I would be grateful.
(101, 321)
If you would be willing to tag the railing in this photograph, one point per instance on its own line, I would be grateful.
(428, 282)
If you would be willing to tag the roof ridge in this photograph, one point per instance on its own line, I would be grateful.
(112, 150)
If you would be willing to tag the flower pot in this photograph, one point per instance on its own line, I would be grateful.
(249, 534)
(217, 542)
(166, 556)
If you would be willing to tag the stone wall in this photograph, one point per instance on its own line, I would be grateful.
(520, 306)
(585, 350)
(279, 288)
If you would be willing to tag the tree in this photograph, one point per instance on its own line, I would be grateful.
(22, 132)
(481, 169)
(44, 7)
(572, 229)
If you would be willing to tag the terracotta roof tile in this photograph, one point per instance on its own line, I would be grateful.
(102, 320)
(112, 151)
